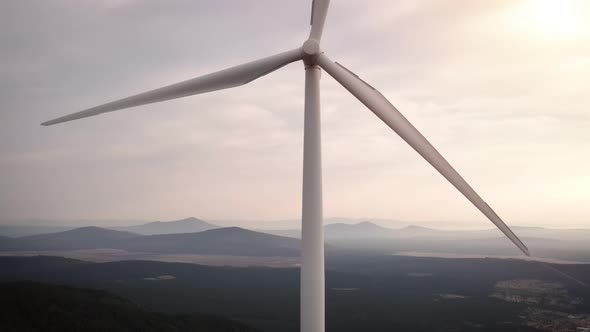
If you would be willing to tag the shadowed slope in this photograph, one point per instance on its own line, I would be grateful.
(79, 238)
(223, 241)
(27, 306)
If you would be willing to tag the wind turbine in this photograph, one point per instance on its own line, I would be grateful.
(314, 59)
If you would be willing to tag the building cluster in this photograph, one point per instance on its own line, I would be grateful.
(535, 292)
(556, 321)
(548, 303)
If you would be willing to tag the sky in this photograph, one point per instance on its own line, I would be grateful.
(499, 87)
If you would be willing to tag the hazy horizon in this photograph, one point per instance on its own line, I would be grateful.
(269, 224)
(500, 88)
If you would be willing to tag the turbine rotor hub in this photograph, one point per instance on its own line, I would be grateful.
(311, 47)
(311, 51)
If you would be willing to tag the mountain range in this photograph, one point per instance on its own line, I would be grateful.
(362, 230)
(367, 229)
(233, 241)
(198, 237)
(188, 225)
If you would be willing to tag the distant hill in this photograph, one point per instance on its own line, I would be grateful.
(365, 226)
(368, 229)
(566, 244)
(28, 306)
(365, 229)
(188, 225)
(294, 224)
(6, 243)
(414, 228)
(222, 241)
(232, 241)
(419, 231)
(294, 233)
(362, 229)
(18, 230)
(343, 230)
(340, 220)
(79, 238)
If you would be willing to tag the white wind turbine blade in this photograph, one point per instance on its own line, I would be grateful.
(227, 78)
(377, 103)
(319, 11)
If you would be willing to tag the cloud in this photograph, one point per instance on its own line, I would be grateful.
(507, 108)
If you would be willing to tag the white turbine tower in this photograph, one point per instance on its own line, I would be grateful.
(312, 256)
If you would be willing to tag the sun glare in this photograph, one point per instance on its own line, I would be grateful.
(554, 18)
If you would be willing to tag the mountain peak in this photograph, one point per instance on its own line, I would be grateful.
(90, 231)
(190, 219)
(416, 228)
(180, 221)
(364, 225)
(186, 225)
(368, 225)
